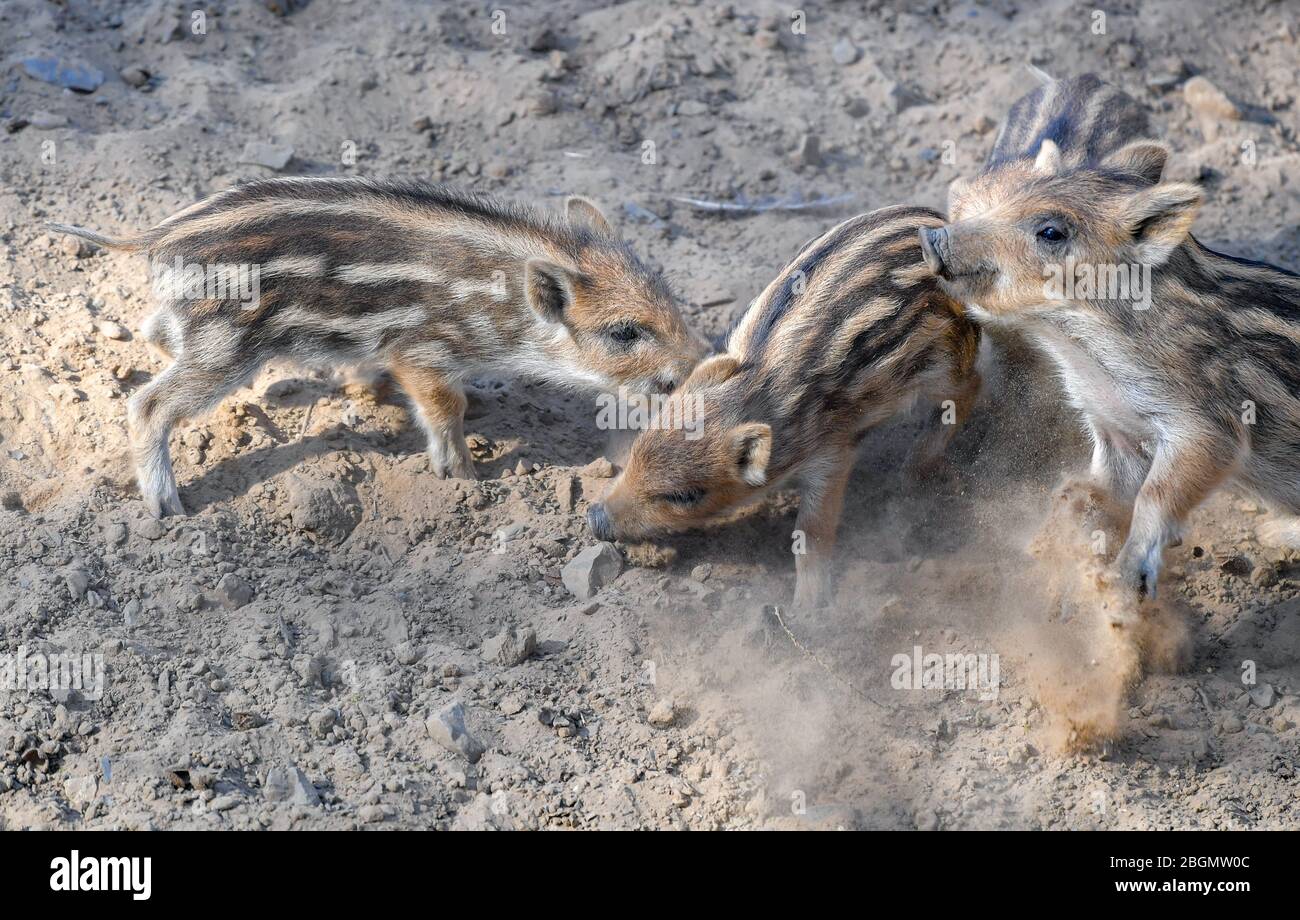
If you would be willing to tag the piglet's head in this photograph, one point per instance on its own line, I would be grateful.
(691, 466)
(1023, 224)
(617, 318)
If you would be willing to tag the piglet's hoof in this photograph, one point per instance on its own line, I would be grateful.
(164, 505)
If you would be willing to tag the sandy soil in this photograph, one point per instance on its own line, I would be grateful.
(292, 651)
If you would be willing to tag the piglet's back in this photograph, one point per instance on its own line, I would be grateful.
(347, 267)
(857, 315)
(387, 237)
(1085, 117)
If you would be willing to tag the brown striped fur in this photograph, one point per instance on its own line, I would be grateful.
(1082, 118)
(1200, 388)
(435, 285)
(851, 332)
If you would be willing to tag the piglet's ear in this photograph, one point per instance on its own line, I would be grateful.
(715, 369)
(549, 288)
(1160, 218)
(957, 189)
(1048, 161)
(583, 212)
(751, 445)
(1144, 159)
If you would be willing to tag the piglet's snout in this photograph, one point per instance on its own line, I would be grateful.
(602, 528)
(934, 249)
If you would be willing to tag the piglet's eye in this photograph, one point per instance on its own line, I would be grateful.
(683, 497)
(624, 333)
(1052, 233)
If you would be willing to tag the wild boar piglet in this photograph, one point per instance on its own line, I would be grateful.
(851, 333)
(430, 284)
(1184, 362)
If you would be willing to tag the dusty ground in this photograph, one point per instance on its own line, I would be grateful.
(273, 658)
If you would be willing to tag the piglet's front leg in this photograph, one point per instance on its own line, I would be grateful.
(820, 504)
(1181, 476)
(440, 407)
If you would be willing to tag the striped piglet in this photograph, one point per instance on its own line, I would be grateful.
(851, 333)
(432, 285)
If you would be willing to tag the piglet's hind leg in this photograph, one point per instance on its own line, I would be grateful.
(182, 391)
